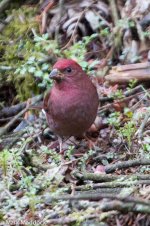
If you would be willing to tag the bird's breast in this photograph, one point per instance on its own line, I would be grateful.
(72, 112)
(65, 104)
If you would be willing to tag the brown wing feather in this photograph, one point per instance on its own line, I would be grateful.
(46, 102)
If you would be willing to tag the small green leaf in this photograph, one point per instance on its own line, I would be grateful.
(17, 71)
(38, 73)
(45, 67)
(45, 36)
(95, 62)
(23, 71)
(84, 64)
(31, 69)
(31, 60)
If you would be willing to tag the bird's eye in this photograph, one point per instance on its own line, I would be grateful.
(68, 69)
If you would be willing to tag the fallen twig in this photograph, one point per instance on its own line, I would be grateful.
(115, 184)
(9, 141)
(126, 164)
(2, 25)
(119, 101)
(92, 187)
(126, 94)
(75, 29)
(126, 73)
(69, 220)
(125, 207)
(142, 126)
(5, 129)
(2, 120)
(11, 111)
(134, 90)
(3, 5)
(44, 16)
(96, 196)
(114, 11)
(105, 177)
(119, 203)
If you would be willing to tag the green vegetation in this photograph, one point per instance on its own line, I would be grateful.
(35, 177)
(26, 61)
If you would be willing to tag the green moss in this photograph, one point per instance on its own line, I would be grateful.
(24, 53)
(16, 46)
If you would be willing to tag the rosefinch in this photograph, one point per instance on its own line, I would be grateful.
(71, 105)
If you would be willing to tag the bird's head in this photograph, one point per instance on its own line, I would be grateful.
(66, 69)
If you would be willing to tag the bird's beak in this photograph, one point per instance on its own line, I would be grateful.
(56, 75)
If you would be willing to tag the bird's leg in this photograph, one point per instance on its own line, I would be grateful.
(60, 141)
(91, 144)
(61, 151)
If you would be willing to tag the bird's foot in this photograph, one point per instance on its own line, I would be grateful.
(90, 143)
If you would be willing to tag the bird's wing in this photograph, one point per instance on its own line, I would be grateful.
(46, 102)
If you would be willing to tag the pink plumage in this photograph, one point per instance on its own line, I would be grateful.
(71, 105)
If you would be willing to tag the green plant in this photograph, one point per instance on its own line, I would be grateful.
(114, 119)
(69, 152)
(128, 113)
(105, 32)
(146, 34)
(145, 149)
(132, 84)
(11, 164)
(37, 64)
(4, 158)
(78, 51)
(31, 189)
(16, 45)
(26, 61)
(52, 154)
(10, 161)
(118, 94)
(128, 132)
(84, 158)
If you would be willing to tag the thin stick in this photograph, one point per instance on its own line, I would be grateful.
(6, 21)
(5, 129)
(105, 177)
(111, 105)
(115, 184)
(3, 5)
(142, 126)
(126, 164)
(114, 11)
(74, 31)
(96, 196)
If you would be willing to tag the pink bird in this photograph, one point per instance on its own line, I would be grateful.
(72, 103)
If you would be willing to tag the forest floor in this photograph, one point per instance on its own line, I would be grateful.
(102, 182)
